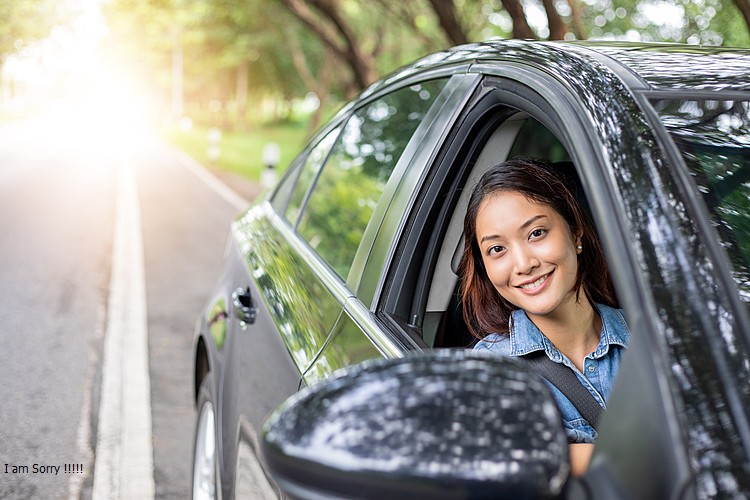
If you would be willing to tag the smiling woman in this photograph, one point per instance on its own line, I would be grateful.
(536, 284)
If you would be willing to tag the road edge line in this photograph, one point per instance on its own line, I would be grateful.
(123, 465)
(205, 175)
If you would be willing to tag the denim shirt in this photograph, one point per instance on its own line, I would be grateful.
(599, 369)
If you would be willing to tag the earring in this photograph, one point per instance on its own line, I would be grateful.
(579, 248)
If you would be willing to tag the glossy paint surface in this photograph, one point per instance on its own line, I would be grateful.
(348, 346)
(473, 423)
(685, 67)
(303, 309)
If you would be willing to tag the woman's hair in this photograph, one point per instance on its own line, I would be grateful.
(484, 309)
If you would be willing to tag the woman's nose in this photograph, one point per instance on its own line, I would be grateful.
(524, 261)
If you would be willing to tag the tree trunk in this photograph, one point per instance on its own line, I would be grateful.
(336, 34)
(557, 27)
(521, 28)
(445, 10)
(577, 15)
(744, 7)
(322, 92)
(243, 77)
(320, 86)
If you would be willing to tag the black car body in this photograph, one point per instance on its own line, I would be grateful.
(353, 256)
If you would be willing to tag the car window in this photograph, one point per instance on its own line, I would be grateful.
(280, 196)
(714, 139)
(439, 322)
(357, 170)
(308, 172)
(536, 141)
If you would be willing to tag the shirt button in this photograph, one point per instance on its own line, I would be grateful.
(591, 368)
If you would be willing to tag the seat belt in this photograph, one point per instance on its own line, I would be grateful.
(567, 382)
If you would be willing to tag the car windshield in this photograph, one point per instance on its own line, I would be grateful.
(714, 139)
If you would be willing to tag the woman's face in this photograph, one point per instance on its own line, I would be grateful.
(529, 253)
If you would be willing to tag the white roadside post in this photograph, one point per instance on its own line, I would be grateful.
(271, 157)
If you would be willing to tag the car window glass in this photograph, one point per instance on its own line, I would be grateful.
(358, 168)
(536, 141)
(714, 139)
(283, 191)
(308, 172)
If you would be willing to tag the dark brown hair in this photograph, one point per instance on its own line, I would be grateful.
(484, 309)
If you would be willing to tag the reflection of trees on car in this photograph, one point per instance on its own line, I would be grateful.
(289, 285)
(358, 169)
(712, 135)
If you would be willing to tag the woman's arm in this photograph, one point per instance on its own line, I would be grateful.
(580, 455)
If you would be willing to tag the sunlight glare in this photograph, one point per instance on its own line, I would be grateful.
(77, 95)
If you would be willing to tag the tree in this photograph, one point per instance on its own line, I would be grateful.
(24, 21)
(521, 28)
(235, 51)
(327, 21)
(744, 7)
(445, 10)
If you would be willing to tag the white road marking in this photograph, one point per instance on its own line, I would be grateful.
(124, 456)
(83, 436)
(237, 201)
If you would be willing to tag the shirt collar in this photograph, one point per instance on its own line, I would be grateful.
(525, 337)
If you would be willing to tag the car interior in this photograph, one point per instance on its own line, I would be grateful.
(442, 324)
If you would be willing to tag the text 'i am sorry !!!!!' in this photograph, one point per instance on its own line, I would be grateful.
(43, 469)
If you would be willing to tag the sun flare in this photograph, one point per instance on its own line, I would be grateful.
(75, 90)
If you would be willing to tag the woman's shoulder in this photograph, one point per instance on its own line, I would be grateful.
(496, 343)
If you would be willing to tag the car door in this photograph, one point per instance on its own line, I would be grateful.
(682, 401)
(280, 315)
(299, 252)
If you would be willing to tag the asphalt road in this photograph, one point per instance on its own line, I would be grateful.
(58, 189)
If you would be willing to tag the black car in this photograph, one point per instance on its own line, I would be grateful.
(353, 256)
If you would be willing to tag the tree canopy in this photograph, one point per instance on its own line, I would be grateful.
(218, 54)
(24, 21)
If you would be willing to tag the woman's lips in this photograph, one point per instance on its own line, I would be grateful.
(532, 287)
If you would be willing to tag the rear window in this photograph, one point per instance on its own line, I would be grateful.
(357, 169)
(714, 139)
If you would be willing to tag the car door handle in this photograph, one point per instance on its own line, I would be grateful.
(244, 306)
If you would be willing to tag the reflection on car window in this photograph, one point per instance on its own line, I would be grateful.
(280, 197)
(714, 138)
(309, 171)
(349, 187)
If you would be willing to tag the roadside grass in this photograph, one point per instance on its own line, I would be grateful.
(241, 152)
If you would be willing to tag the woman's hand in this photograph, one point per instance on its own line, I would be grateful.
(580, 456)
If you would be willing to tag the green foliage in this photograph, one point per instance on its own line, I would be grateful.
(238, 55)
(707, 22)
(24, 21)
(241, 152)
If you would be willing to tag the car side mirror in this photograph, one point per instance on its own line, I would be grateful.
(446, 424)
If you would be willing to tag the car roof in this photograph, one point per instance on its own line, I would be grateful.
(648, 66)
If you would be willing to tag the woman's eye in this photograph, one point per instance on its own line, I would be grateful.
(536, 233)
(495, 250)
